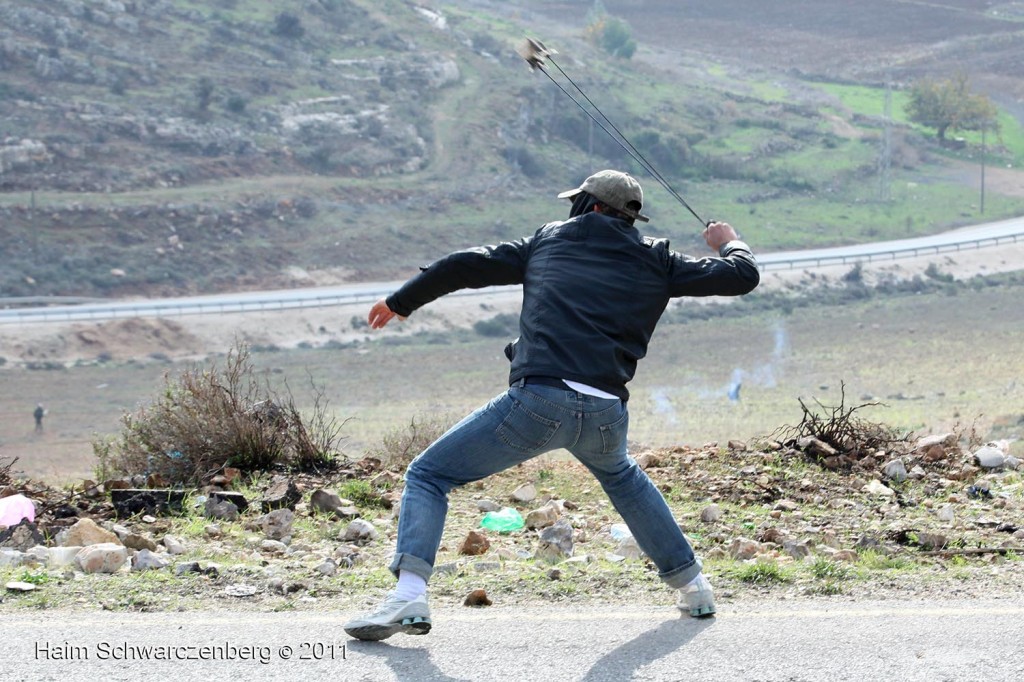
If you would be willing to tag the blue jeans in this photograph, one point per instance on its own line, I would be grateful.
(518, 425)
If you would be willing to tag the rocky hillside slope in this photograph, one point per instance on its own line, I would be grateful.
(175, 146)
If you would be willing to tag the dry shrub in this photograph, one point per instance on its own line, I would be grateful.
(400, 446)
(210, 418)
(6, 463)
(840, 427)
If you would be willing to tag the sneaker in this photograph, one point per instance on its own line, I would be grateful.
(697, 598)
(392, 616)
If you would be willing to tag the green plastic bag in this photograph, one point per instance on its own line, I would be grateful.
(503, 520)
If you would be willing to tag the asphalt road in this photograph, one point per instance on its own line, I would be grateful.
(793, 641)
(977, 236)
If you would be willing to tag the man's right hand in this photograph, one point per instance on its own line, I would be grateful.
(381, 314)
(717, 234)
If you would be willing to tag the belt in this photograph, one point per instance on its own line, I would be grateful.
(541, 381)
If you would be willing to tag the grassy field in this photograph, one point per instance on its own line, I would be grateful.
(933, 360)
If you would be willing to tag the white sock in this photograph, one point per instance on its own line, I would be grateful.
(700, 582)
(409, 586)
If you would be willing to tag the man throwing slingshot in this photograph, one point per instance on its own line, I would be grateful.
(594, 289)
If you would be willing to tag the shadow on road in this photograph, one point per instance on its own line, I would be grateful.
(623, 661)
(411, 664)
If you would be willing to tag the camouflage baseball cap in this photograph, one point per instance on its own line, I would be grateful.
(615, 189)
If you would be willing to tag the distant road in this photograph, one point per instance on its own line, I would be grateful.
(976, 237)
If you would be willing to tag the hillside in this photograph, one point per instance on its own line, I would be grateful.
(169, 147)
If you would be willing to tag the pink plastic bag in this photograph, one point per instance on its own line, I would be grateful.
(15, 508)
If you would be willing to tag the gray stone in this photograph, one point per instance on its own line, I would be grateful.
(106, 557)
(797, 549)
(277, 525)
(525, 493)
(138, 542)
(876, 487)
(22, 536)
(273, 547)
(11, 557)
(556, 542)
(240, 590)
(37, 555)
(121, 532)
(174, 545)
(450, 568)
(327, 568)
(281, 493)
(325, 501)
(711, 513)
(487, 505)
(988, 457)
(221, 510)
(486, 566)
(628, 548)
(19, 586)
(187, 567)
(895, 470)
(145, 560)
(931, 540)
(543, 517)
(359, 530)
(59, 557)
(744, 548)
(1011, 462)
(944, 439)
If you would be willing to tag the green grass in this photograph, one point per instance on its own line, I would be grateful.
(828, 570)
(875, 561)
(869, 101)
(761, 572)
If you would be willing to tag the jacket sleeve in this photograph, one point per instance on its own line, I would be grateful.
(470, 269)
(733, 273)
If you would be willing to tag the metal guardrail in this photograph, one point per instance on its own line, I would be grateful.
(791, 263)
(296, 299)
(181, 307)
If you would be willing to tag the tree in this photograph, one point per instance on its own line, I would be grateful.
(949, 106)
(612, 34)
(617, 40)
(287, 25)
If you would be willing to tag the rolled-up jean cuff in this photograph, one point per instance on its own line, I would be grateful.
(408, 562)
(679, 577)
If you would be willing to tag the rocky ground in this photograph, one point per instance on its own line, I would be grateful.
(780, 519)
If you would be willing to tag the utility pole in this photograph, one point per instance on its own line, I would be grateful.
(885, 159)
(984, 127)
(590, 144)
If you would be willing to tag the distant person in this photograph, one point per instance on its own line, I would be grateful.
(39, 413)
(594, 289)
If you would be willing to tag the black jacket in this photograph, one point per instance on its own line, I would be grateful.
(593, 291)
